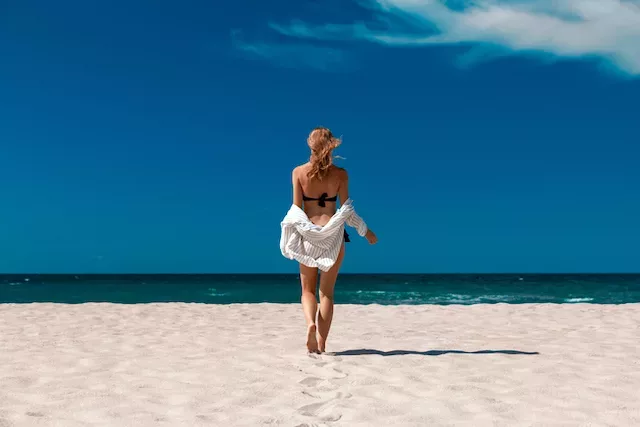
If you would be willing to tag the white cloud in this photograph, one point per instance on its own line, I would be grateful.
(294, 55)
(606, 29)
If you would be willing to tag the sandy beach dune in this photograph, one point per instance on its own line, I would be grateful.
(245, 365)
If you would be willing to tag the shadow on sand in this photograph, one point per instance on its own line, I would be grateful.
(368, 351)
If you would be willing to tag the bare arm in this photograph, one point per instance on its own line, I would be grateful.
(343, 189)
(343, 193)
(297, 189)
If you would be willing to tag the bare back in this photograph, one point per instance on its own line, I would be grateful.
(335, 183)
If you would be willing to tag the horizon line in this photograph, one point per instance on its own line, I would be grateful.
(341, 274)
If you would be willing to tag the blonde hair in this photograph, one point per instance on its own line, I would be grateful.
(322, 143)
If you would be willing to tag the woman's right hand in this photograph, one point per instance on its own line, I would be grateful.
(371, 237)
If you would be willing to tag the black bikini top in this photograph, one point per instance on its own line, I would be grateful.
(323, 198)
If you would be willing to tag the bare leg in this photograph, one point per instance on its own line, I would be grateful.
(308, 279)
(325, 314)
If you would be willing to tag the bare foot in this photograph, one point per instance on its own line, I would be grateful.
(312, 342)
(321, 344)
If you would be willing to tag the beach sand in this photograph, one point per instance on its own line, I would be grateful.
(246, 365)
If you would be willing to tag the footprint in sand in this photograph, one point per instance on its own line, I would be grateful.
(319, 384)
(327, 395)
(311, 381)
(333, 356)
(326, 372)
(323, 410)
(311, 409)
(322, 383)
(314, 409)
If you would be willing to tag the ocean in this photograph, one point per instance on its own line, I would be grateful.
(386, 289)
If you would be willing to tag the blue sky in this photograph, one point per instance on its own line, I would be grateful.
(160, 136)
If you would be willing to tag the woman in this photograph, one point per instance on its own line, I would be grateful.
(313, 231)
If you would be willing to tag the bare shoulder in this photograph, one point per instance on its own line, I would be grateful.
(300, 169)
(341, 173)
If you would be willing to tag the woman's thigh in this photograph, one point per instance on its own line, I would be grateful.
(308, 278)
(328, 279)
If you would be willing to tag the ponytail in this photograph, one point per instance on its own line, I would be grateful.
(322, 144)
